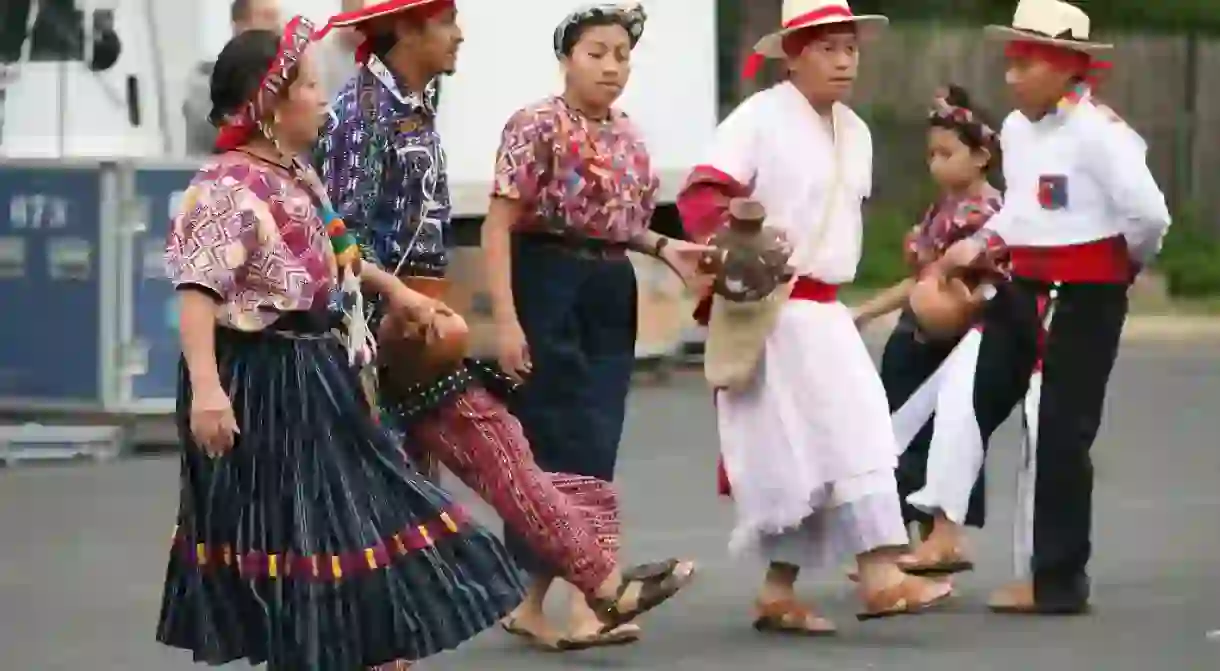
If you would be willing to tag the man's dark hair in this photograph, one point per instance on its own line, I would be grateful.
(239, 11)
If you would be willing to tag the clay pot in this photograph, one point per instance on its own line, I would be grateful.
(410, 353)
(942, 308)
(750, 260)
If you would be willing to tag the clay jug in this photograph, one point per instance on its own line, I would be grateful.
(751, 259)
(947, 302)
(410, 353)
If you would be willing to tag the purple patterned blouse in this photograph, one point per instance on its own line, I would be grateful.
(576, 173)
(251, 234)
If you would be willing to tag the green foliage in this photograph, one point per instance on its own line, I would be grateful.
(1190, 259)
(885, 226)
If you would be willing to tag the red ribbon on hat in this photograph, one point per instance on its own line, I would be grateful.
(364, 51)
(755, 60)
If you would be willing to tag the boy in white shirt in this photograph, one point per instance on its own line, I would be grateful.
(1082, 214)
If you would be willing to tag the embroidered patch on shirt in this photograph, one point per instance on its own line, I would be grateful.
(1052, 192)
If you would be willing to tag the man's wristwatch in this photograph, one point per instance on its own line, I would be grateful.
(660, 246)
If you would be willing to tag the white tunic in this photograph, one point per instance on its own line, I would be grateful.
(813, 434)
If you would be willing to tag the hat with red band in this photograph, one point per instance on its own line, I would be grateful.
(798, 15)
(1052, 23)
(371, 11)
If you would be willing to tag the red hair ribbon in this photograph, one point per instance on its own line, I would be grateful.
(755, 60)
(1061, 58)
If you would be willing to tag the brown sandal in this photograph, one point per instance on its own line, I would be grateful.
(532, 639)
(905, 597)
(935, 562)
(657, 582)
(790, 618)
(620, 635)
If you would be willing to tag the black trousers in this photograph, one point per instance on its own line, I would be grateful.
(578, 311)
(1078, 356)
(906, 363)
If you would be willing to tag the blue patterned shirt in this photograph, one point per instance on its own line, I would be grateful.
(381, 160)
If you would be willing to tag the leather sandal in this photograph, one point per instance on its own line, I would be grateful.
(935, 562)
(657, 584)
(906, 597)
(790, 618)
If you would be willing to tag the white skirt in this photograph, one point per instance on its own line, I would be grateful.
(812, 435)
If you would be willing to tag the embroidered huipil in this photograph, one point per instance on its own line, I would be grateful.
(380, 157)
(252, 235)
(575, 173)
(949, 220)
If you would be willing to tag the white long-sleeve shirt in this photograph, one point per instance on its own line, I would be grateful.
(1096, 166)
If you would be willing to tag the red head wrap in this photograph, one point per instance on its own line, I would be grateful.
(1062, 58)
(237, 129)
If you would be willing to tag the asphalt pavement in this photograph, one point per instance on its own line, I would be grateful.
(82, 554)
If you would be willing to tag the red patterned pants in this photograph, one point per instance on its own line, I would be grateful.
(571, 521)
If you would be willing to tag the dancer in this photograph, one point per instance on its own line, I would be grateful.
(962, 149)
(383, 165)
(574, 190)
(303, 540)
(806, 442)
(1082, 214)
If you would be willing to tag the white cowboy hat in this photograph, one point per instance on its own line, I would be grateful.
(800, 14)
(1049, 22)
(375, 9)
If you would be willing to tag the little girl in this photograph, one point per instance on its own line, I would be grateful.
(961, 150)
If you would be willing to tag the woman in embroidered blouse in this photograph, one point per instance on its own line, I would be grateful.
(961, 150)
(574, 191)
(303, 540)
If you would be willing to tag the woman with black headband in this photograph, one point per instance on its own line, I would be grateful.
(574, 191)
(303, 541)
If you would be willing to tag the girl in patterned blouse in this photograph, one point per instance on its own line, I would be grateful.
(304, 540)
(574, 190)
(961, 150)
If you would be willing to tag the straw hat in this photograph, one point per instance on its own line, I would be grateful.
(800, 14)
(1050, 22)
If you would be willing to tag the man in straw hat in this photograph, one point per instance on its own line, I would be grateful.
(384, 169)
(1081, 215)
(805, 436)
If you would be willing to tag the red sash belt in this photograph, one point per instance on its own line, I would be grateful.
(805, 289)
(809, 289)
(1102, 261)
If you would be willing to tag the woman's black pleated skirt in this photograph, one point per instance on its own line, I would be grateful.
(311, 545)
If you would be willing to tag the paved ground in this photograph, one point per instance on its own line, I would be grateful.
(83, 549)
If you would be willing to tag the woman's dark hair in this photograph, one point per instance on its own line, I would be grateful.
(577, 30)
(239, 71)
(974, 130)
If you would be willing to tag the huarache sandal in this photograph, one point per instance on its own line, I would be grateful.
(655, 583)
(625, 634)
(935, 561)
(533, 639)
(790, 618)
(909, 596)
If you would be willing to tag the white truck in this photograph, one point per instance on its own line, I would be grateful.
(62, 109)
